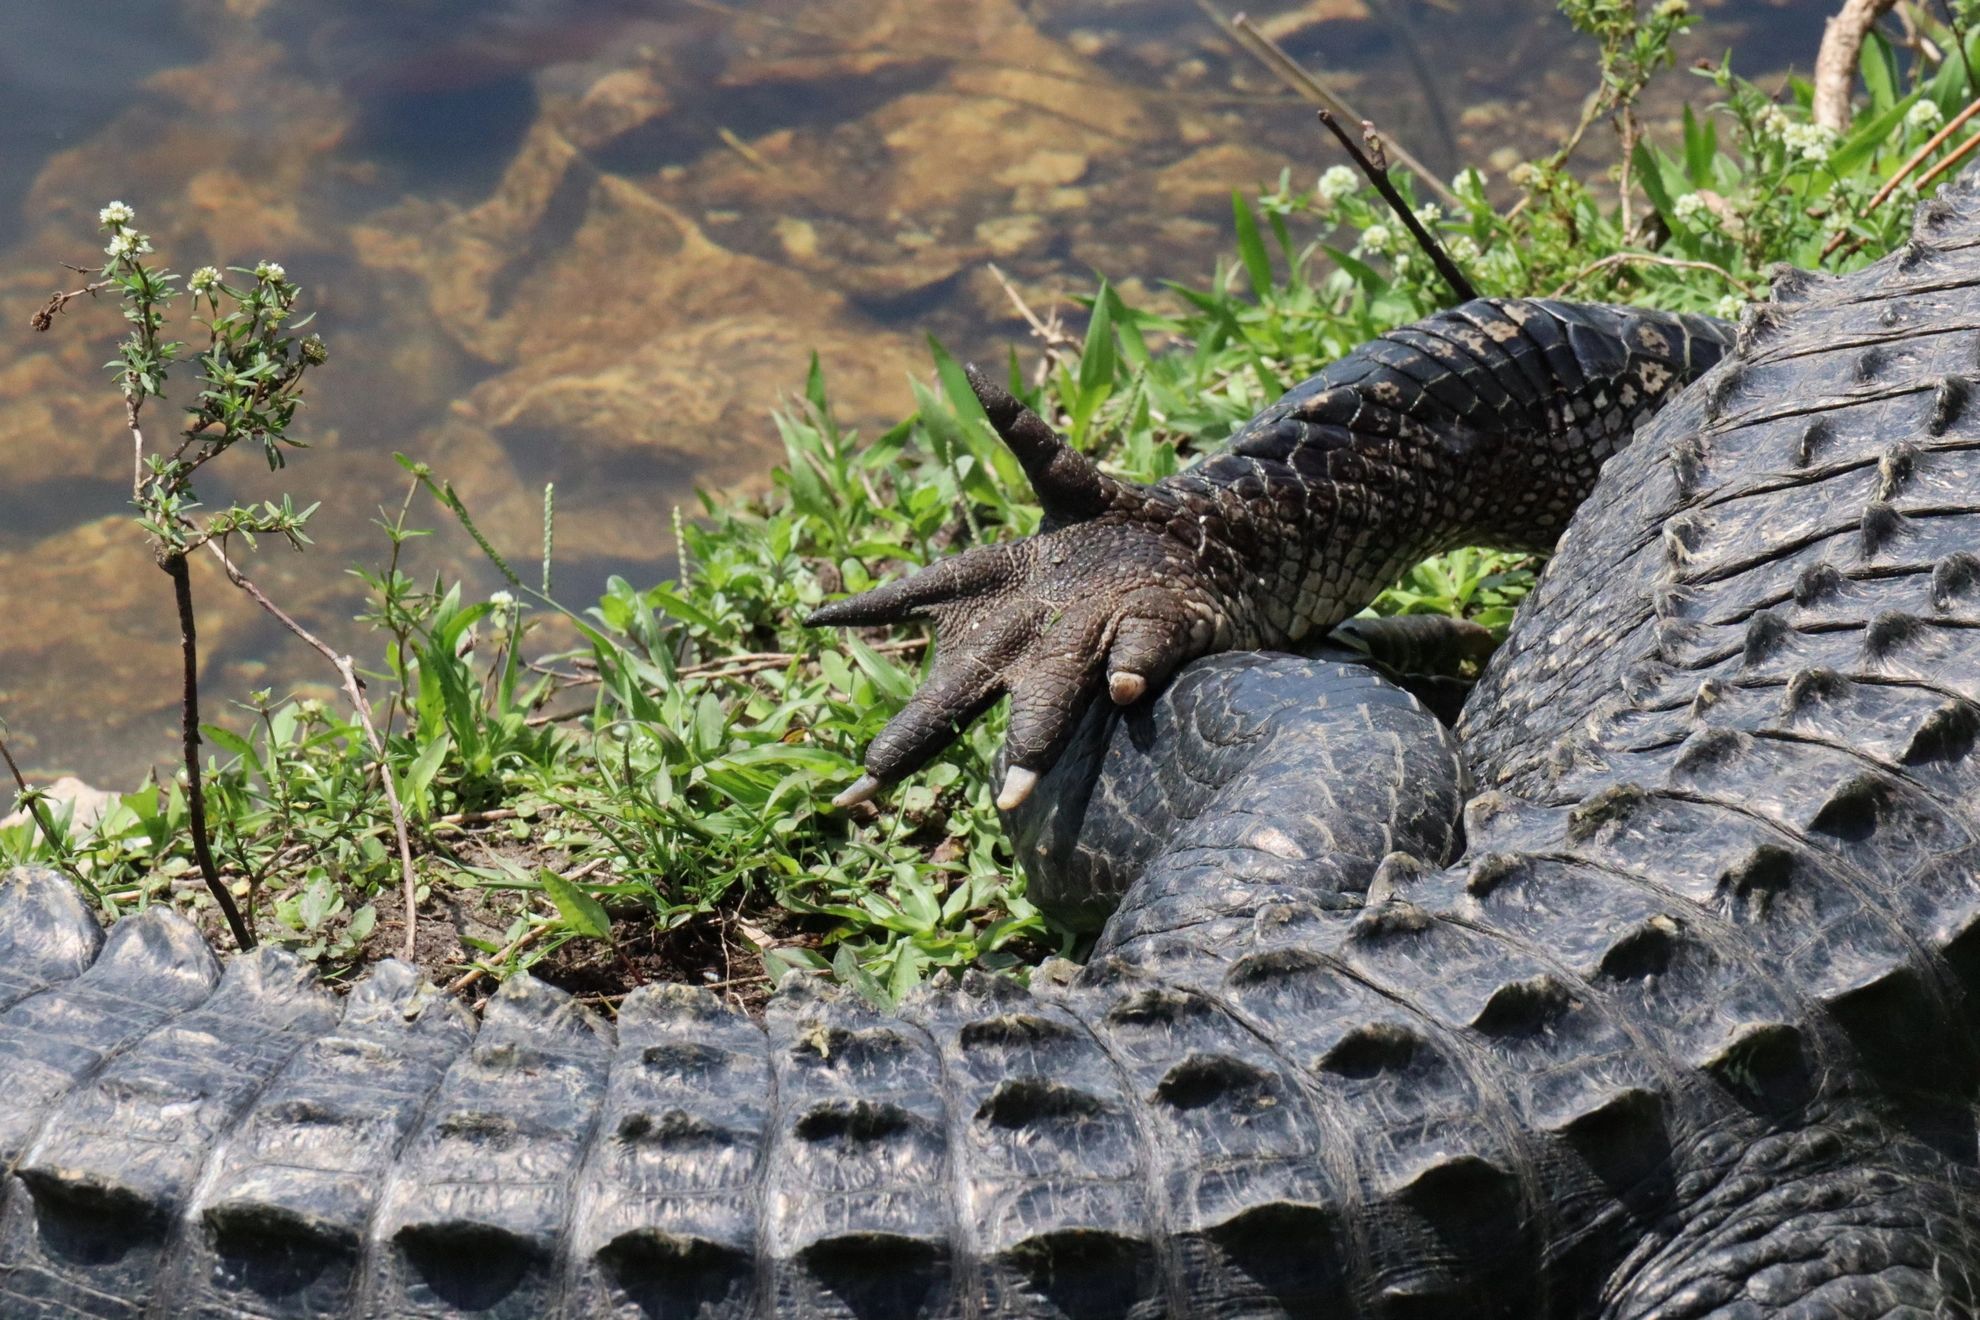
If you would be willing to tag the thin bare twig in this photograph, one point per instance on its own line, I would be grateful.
(1641, 259)
(1911, 163)
(1052, 333)
(477, 817)
(1273, 56)
(520, 942)
(1430, 86)
(1836, 60)
(354, 689)
(755, 662)
(1379, 177)
(57, 302)
(508, 951)
(1953, 157)
(132, 404)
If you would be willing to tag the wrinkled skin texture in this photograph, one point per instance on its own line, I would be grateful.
(1685, 1029)
(1485, 424)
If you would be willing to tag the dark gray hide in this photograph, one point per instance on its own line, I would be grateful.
(1686, 1031)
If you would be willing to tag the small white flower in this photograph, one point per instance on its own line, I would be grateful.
(126, 244)
(1672, 9)
(502, 600)
(1687, 209)
(1470, 184)
(1429, 214)
(271, 271)
(1462, 249)
(1375, 238)
(1729, 306)
(1335, 183)
(1775, 123)
(202, 279)
(1923, 117)
(1810, 140)
(1402, 262)
(115, 215)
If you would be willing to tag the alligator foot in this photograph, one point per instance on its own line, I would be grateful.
(1120, 586)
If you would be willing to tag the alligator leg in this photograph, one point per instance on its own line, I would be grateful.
(1486, 424)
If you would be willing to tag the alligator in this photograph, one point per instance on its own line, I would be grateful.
(1648, 991)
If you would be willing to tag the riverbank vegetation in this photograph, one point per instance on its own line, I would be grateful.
(636, 787)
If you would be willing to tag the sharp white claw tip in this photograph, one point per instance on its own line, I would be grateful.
(862, 790)
(1018, 783)
(1125, 687)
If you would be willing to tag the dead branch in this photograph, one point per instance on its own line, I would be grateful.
(1642, 259)
(1273, 56)
(1911, 163)
(1379, 177)
(45, 317)
(354, 689)
(520, 942)
(1953, 157)
(1835, 62)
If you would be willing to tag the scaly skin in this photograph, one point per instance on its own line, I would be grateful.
(1685, 1032)
(1486, 424)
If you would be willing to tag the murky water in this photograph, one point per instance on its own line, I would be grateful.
(594, 242)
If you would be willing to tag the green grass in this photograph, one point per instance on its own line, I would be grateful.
(636, 787)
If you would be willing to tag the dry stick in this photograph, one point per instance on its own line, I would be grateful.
(1051, 333)
(1914, 38)
(755, 662)
(508, 951)
(1380, 178)
(133, 402)
(1835, 62)
(354, 689)
(57, 302)
(1273, 56)
(175, 568)
(477, 817)
(1953, 157)
(522, 941)
(1911, 163)
(1642, 259)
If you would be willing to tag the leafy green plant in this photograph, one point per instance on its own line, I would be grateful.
(247, 386)
(645, 772)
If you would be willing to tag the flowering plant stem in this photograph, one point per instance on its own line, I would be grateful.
(248, 387)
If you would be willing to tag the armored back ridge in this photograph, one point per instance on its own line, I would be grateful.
(1686, 1029)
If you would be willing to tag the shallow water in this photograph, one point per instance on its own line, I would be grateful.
(594, 242)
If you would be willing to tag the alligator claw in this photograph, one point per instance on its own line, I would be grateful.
(1126, 688)
(1018, 783)
(1104, 596)
(862, 790)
